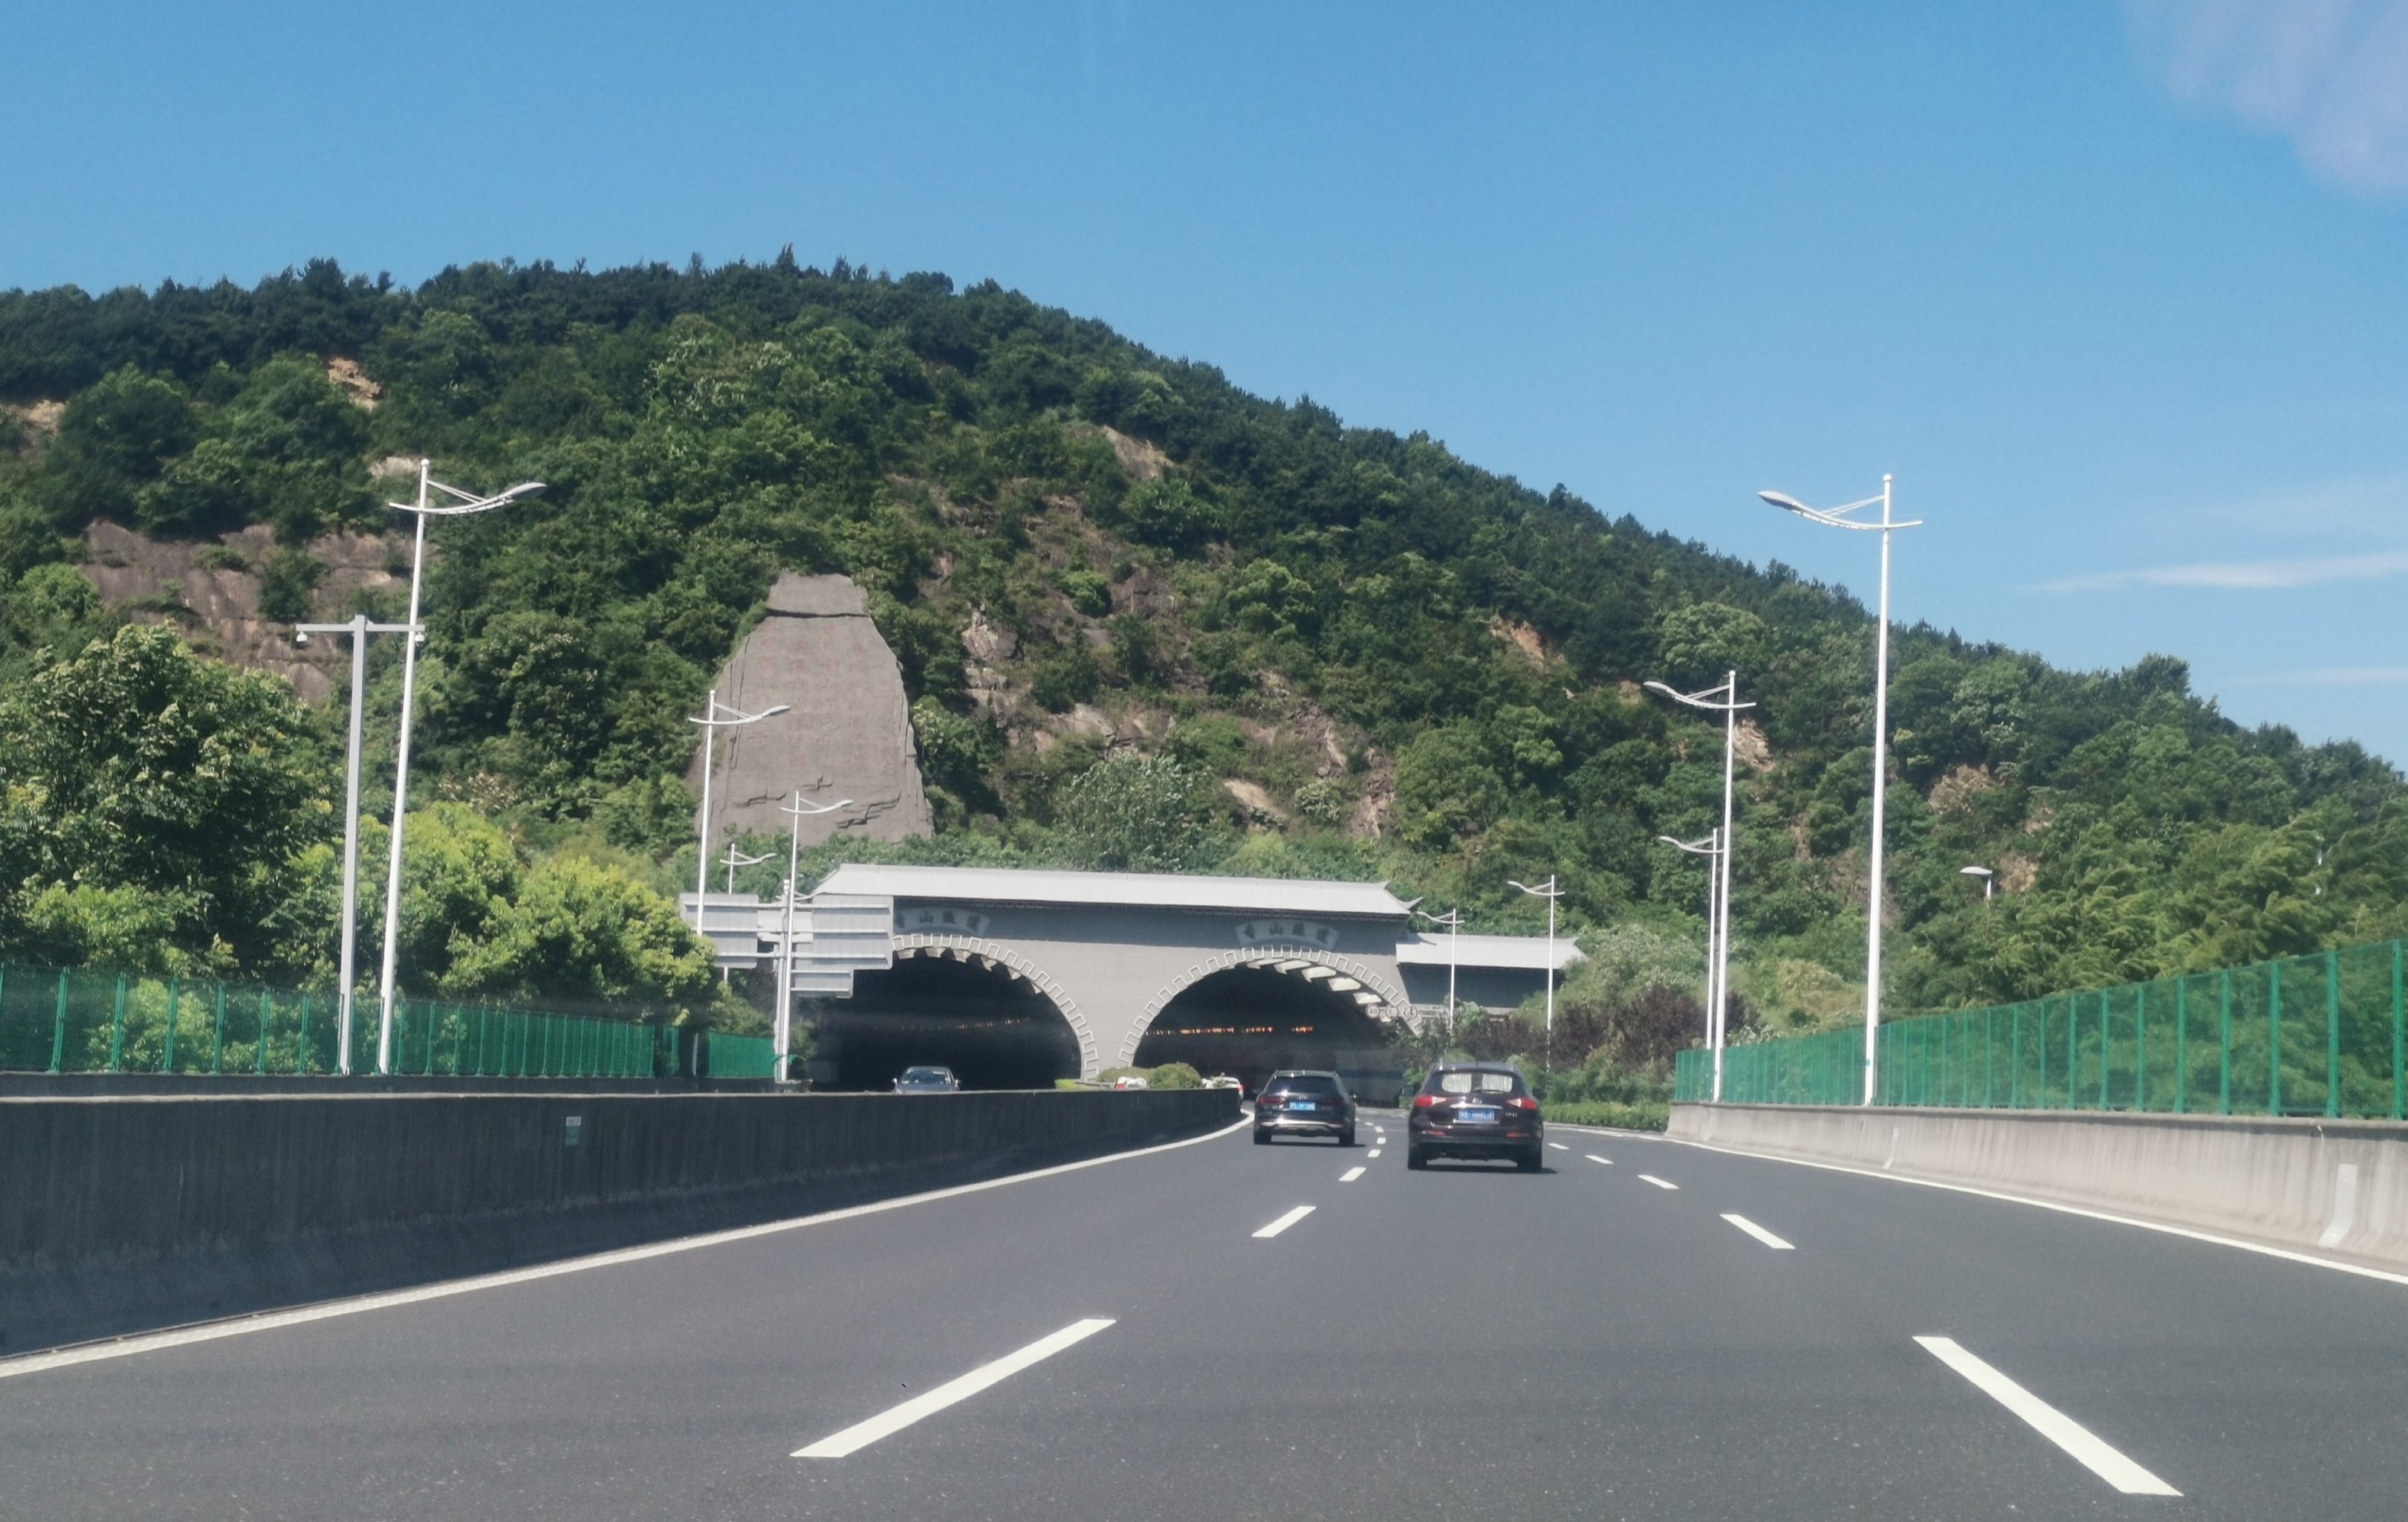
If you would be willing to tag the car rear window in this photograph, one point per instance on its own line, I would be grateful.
(1473, 1081)
(1303, 1085)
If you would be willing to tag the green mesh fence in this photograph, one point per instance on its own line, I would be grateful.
(84, 1022)
(737, 1057)
(2315, 1035)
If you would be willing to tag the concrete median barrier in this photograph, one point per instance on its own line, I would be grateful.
(123, 1213)
(2331, 1186)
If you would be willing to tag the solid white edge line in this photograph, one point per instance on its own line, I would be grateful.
(1284, 1222)
(2084, 1445)
(1595, 1158)
(2084, 1211)
(126, 1347)
(887, 1423)
(1660, 1184)
(1352, 1174)
(1760, 1233)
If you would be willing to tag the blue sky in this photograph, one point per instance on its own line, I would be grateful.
(2118, 291)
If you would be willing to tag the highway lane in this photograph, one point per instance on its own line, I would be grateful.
(1577, 1342)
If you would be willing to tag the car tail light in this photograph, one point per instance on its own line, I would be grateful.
(1424, 1101)
(1523, 1102)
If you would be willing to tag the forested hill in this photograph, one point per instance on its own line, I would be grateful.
(1349, 651)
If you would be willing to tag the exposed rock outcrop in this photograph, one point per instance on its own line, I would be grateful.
(846, 734)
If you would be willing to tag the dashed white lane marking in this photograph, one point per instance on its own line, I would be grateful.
(887, 1423)
(2049, 1422)
(1559, 1146)
(1660, 1184)
(1373, 1153)
(1348, 1177)
(1285, 1221)
(1760, 1233)
(126, 1347)
(1595, 1158)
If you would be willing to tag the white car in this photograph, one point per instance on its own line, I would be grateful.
(1129, 1080)
(1223, 1081)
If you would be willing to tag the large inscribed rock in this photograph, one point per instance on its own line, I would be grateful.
(847, 734)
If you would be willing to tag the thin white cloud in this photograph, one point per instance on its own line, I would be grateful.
(2330, 75)
(2243, 575)
(2332, 676)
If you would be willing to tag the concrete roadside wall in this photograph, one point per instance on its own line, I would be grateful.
(123, 1213)
(2331, 1186)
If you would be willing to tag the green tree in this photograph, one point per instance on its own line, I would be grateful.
(1131, 812)
(136, 764)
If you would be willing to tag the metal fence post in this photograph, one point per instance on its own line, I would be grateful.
(2103, 998)
(117, 1027)
(2182, 1046)
(266, 1023)
(58, 1030)
(2275, 1038)
(2140, 1049)
(2224, 1029)
(301, 1042)
(167, 1057)
(217, 1045)
(2398, 1045)
(2015, 1056)
(2333, 1033)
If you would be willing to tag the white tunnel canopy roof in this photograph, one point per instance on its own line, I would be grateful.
(1124, 890)
(1528, 952)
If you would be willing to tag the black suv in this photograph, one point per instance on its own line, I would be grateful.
(1474, 1110)
(1302, 1103)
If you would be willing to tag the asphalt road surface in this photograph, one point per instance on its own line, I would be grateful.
(1131, 1339)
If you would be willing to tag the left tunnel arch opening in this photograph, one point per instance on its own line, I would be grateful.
(971, 1015)
(1250, 1022)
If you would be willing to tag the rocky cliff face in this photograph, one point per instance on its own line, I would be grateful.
(846, 734)
(211, 591)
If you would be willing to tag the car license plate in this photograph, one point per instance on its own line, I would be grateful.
(1476, 1117)
(1302, 1104)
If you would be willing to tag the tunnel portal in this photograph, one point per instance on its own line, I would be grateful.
(1249, 1022)
(990, 1028)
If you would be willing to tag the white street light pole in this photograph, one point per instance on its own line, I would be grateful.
(359, 629)
(712, 724)
(1548, 891)
(799, 811)
(1722, 699)
(1452, 919)
(735, 859)
(1988, 878)
(1838, 518)
(1717, 927)
(463, 504)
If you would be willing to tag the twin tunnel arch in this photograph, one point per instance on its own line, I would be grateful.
(1000, 1021)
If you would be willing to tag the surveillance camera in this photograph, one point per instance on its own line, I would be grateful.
(301, 637)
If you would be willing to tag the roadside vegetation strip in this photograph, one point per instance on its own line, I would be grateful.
(953, 1392)
(211, 1331)
(1284, 1222)
(2084, 1445)
(1760, 1233)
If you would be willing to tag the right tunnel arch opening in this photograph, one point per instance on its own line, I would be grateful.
(1250, 1021)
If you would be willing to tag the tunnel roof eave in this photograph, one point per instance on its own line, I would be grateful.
(1120, 890)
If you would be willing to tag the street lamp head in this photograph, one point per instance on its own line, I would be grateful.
(524, 488)
(301, 638)
(1660, 687)
(1785, 502)
(1975, 871)
(767, 713)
